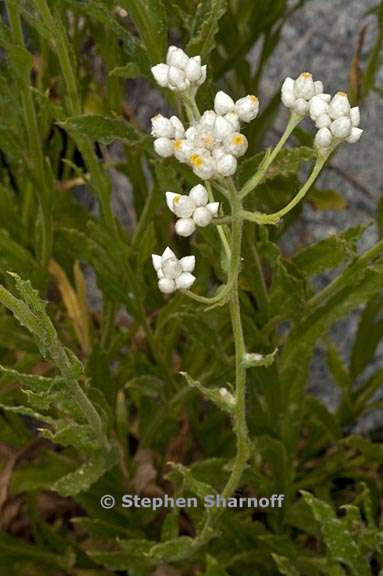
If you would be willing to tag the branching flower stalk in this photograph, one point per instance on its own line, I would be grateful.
(211, 146)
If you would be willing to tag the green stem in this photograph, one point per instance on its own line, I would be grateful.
(255, 180)
(239, 416)
(221, 229)
(34, 142)
(274, 218)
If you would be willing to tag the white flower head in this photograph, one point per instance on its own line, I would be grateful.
(338, 123)
(180, 72)
(223, 103)
(298, 95)
(192, 210)
(247, 108)
(173, 274)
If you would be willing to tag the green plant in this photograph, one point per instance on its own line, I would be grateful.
(189, 396)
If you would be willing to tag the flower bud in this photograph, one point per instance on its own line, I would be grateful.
(323, 121)
(177, 57)
(318, 86)
(183, 206)
(185, 227)
(339, 106)
(177, 79)
(317, 107)
(288, 85)
(213, 208)
(162, 127)
(182, 150)
(354, 136)
(226, 165)
(304, 86)
(222, 128)
(178, 129)
(203, 167)
(163, 147)
(185, 281)
(193, 69)
(247, 108)
(232, 117)
(208, 119)
(223, 103)
(288, 99)
(160, 73)
(236, 144)
(188, 263)
(341, 127)
(166, 285)
(202, 216)
(301, 106)
(171, 267)
(199, 195)
(157, 262)
(323, 138)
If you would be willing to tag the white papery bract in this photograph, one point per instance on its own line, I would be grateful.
(192, 210)
(173, 274)
(336, 121)
(298, 94)
(180, 72)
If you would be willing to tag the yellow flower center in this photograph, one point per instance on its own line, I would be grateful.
(341, 94)
(306, 75)
(196, 160)
(253, 98)
(237, 139)
(176, 199)
(177, 144)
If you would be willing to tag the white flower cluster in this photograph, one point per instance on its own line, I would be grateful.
(192, 210)
(180, 72)
(212, 145)
(335, 119)
(173, 274)
(297, 94)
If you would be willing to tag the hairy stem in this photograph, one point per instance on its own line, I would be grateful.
(274, 218)
(260, 174)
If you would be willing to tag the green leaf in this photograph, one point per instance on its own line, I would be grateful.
(370, 329)
(205, 26)
(326, 199)
(339, 541)
(285, 566)
(104, 129)
(130, 70)
(337, 367)
(86, 475)
(330, 252)
(213, 568)
(200, 489)
(224, 401)
(357, 283)
(252, 360)
(150, 19)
